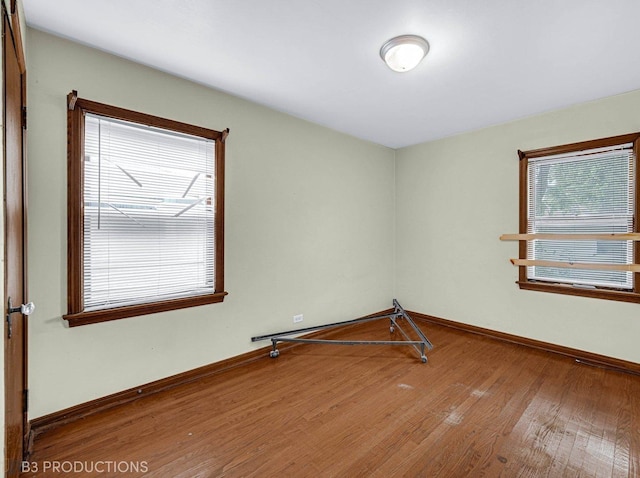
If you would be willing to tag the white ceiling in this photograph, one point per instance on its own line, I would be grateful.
(491, 61)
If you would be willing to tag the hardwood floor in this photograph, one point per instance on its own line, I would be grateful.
(478, 408)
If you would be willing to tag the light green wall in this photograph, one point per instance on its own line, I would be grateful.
(308, 229)
(457, 195)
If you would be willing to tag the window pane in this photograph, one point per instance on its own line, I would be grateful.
(582, 186)
(586, 193)
(148, 214)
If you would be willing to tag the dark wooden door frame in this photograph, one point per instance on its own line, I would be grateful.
(15, 353)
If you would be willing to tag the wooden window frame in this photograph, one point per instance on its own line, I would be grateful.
(77, 108)
(557, 288)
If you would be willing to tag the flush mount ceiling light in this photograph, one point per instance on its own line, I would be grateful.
(403, 53)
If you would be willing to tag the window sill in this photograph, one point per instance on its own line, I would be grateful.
(576, 291)
(104, 315)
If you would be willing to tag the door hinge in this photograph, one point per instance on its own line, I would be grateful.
(25, 404)
(24, 117)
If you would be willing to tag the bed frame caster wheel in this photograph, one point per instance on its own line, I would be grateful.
(424, 359)
(274, 353)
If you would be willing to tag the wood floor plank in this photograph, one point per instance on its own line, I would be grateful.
(583, 457)
(464, 452)
(440, 401)
(634, 440)
(479, 408)
(503, 416)
(601, 444)
(568, 430)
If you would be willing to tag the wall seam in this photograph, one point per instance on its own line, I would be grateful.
(395, 224)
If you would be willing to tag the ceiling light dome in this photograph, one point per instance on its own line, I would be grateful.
(403, 53)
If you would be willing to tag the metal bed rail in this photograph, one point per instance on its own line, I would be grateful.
(420, 345)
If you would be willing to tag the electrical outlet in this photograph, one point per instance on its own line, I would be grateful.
(298, 318)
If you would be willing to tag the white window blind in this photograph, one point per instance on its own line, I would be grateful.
(148, 214)
(583, 192)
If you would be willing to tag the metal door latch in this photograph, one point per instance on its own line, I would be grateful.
(24, 309)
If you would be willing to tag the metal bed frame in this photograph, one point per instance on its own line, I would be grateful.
(398, 314)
